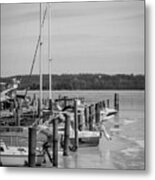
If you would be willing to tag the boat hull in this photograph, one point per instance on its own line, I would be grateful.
(87, 141)
(18, 160)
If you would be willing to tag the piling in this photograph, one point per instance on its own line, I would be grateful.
(80, 120)
(50, 106)
(18, 116)
(97, 113)
(34, 103)
(116, 101)
(55, 143)
(65, 101)
(38, 108)
(34, 100)
(91, 117)
(108, 103)
(66, 136)
(103, 104)
(93, 114)
(86, 116)
(17, 113)
(32, 147)
(76, 143)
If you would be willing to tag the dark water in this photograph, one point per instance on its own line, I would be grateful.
(126, 149)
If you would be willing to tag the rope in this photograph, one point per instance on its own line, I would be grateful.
(36, 50)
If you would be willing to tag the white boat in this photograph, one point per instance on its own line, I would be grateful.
(107, 113)
(86, 138)
(16, 156)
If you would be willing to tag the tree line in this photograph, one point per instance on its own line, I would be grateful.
(81, 82)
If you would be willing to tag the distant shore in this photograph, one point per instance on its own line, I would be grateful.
(81, 82)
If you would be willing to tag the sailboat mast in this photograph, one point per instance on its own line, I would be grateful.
(40, 62)
(49, 56)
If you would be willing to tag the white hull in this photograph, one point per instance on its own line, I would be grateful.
(16, 156)
(107, 114)
(16, 160)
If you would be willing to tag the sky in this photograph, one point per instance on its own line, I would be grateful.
(86, 37)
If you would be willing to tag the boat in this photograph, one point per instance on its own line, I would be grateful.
(17, 156)
(86, 138)
(9, 93)
(10, 100)
(107, 113)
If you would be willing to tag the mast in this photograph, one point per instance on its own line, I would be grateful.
(40, 62)
(49, 56)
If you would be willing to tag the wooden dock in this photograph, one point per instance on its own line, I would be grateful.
(86, 119)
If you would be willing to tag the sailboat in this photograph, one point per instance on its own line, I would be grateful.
(18, 155)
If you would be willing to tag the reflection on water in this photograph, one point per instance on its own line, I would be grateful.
(116, 154)
(126, 149)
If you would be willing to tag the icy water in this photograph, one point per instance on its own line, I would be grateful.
(126, 150)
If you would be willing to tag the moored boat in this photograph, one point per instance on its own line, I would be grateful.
(16, 156)
(107, 113)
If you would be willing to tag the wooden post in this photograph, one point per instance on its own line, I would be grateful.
(17, 112)
(34, 99)
(32, 147)
(65, 101)
(97, 113)
(80, 121)
(116, 101)
(86, 116)
(66, 135)
(34, 103)
(76, 124)
(108, 103)
(90, 118)
(93, 115)
(38, 109)
(18, 116)
(55, 143)
(103, 104)
(50, 106)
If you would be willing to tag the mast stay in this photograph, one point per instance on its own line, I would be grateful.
(35, 52)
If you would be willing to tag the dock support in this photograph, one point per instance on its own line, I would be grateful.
(116, 101)
(18, 116)
(65, 101)
(50, 106)
(32, 147)
(38, 109)
(97, 113)
(76, 124)
(17, 112)
(103, 104)
(55, 143)
(91, 117)
(108, 103)
(66, 135)
(86, 116)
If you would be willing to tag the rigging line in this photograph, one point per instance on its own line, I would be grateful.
(36, 50)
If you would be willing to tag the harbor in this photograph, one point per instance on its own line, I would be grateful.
(67, 122)
(105, 154)
(88, 120)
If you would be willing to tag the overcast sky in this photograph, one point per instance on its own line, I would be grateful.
(87, 37)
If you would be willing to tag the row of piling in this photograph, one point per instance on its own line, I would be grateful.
(91, 114)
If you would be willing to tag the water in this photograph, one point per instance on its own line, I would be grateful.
(126, 150)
